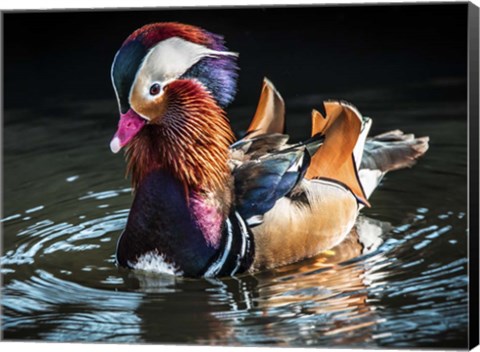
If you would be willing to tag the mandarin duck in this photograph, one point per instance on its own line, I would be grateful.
(206, 205)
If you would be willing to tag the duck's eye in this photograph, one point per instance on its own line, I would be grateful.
(155, 89)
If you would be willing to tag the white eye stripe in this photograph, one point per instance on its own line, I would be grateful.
(172, 57)
(169, 60)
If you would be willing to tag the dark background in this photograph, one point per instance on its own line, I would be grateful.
(52, 58)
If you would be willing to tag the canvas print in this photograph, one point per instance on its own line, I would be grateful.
(255, 176)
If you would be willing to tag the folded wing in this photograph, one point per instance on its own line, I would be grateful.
(263, 178)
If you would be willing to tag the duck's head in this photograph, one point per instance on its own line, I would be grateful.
(172, 82)
(161, 60)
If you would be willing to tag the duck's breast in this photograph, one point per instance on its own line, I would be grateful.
(162, 228)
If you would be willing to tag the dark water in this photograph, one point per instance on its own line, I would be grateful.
(66, 201)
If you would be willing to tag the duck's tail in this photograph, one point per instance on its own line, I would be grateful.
(392, 151)
(386, 152)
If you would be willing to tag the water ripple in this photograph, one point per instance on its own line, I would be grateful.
(46, 237)
(100, 315)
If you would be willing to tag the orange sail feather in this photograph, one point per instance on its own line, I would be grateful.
(334, 160)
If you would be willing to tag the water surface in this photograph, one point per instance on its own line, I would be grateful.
(66, 201)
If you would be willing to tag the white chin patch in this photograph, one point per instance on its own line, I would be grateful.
(155, 263)
(115, 145)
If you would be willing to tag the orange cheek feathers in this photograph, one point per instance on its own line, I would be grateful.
(152, 109)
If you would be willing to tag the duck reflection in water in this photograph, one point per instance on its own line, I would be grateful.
(330, 287)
